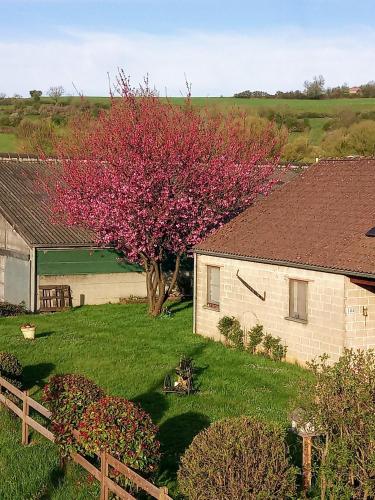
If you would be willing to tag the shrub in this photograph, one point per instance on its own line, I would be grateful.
(7, 309)
(68, 396)
(255, 337)
(231, 329)
(273, 348)
(237, 458)
(124, 430)
(341, 404)
(11, 369)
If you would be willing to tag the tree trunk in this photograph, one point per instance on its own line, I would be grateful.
(158, 289)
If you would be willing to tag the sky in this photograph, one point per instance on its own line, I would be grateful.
(221, 47)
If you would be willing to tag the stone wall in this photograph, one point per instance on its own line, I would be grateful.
(325, 329)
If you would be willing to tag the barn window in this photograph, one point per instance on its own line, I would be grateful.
(213, 287)
(298, 300)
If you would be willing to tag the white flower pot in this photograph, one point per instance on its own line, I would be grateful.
(28, 332)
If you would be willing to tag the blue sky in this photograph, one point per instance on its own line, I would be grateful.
(222, 46)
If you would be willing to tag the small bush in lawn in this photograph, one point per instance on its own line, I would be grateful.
(273, 348)
(238, 458)
(67, 397)
(231, 329)
(11, 369)
(7, 309)
(124, 430)
(255, 337)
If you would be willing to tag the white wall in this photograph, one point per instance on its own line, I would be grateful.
(360, 329)
(100, 288)
(325, 331)
(14, 271)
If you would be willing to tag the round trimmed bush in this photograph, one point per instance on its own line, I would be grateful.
(67, 397)
(124, 430)
(238, 458)
(11, 369)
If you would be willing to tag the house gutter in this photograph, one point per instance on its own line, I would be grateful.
(285, 263)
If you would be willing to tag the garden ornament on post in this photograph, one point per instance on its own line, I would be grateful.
(306, 431)
(184, 382)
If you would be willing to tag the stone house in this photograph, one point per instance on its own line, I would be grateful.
(301, 262)
(39, 259)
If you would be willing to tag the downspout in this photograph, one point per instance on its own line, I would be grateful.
(195, 295)
(33, 306)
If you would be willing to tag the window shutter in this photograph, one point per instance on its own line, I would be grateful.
(302, 300)
(298, 299)
(213, 285)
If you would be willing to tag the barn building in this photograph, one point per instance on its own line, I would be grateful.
(49, 266)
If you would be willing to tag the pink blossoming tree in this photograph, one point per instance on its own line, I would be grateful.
(151, 178)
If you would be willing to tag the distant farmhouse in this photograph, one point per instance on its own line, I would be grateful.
(355, 90)
(301, 262)
(49, 266)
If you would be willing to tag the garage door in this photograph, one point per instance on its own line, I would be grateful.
(17, 281)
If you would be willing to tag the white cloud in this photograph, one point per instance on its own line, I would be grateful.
(216, 63)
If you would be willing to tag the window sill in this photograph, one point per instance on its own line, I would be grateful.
(212, 307)
(296, 320)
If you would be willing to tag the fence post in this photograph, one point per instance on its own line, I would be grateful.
(306, 461)
(103, 476)
(163, 493)
(25, 414)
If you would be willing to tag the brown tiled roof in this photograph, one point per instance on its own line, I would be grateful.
(318, 219)
(27, 210)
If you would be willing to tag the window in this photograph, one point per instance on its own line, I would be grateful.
(213, 287)
(298, 300)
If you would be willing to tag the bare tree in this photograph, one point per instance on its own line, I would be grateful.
(56, 92)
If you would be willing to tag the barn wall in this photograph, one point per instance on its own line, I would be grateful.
(10, 239)
(99, 288)
(14, 265)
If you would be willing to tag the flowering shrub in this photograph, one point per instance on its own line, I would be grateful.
(67, 396)
(11, 369)
(240, 458)
(123, 429)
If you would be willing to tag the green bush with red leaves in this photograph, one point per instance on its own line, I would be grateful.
(67, 397)
(124, 430)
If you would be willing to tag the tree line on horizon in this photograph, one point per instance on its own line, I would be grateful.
(314, 89)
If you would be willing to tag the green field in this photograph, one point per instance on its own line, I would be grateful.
(8, 143)
(128, 354)
(316, 112)
(297, 105)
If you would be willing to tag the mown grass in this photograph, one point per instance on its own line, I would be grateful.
(129, 354)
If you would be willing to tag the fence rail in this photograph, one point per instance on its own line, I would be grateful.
(107, 461)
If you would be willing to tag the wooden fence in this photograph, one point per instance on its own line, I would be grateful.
(107, 485)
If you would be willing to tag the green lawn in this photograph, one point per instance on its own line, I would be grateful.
(129, 354)
(8, 143)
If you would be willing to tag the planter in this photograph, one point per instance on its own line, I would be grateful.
(28, 332)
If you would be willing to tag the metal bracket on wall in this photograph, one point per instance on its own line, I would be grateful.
(252, 290)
